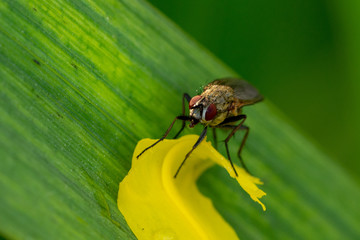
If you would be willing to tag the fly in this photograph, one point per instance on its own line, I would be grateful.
(219, 106)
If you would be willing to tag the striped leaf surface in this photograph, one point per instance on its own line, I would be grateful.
(83, 81)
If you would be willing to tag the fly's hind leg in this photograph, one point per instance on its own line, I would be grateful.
(246, 128)
(226, 124)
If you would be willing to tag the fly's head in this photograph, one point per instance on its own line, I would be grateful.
(201, 110)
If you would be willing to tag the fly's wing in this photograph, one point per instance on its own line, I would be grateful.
(243, 91)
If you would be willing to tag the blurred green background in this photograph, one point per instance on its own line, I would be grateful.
(303, 55)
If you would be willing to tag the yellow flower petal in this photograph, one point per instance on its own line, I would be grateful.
(158, 206)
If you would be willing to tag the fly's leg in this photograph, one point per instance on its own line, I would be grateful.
(202, 136)
(246, 128)
(214, 137)
(183, 118)
(234, 129)
(188, 98)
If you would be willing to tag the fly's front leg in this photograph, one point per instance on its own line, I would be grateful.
(202, 136)
(183, 118)
(188, 98)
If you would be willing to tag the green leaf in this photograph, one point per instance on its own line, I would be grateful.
(83, 81)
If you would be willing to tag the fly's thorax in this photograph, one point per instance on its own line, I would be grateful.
(220, 96)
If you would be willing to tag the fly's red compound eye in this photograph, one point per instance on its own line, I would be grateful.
(210, 112)
(194, 100)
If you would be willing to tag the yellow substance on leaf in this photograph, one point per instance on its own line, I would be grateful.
(158, 206)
